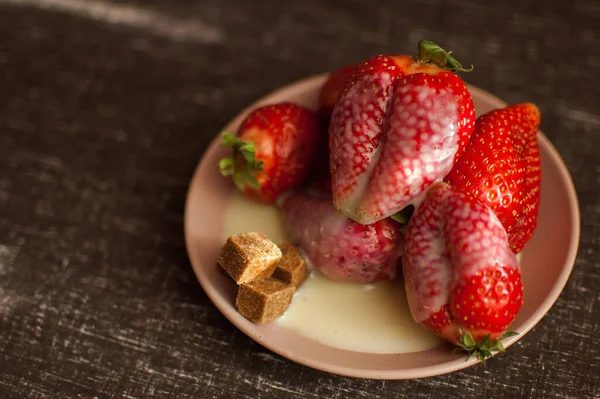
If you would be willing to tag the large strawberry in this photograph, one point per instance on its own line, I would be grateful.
(501, 167)
(339, 247)
(273, 152)
(397, 128)
(462, 280)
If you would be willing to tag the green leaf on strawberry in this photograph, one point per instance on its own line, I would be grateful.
(509, 334)
(482, 349)
(242, 165)
(404, 215)
(429, 52)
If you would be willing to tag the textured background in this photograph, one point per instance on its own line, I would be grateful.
(105, 109)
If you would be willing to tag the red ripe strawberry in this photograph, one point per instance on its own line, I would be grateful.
(397, 128)
(462, 280)
(274, 150)
(337, 246)
(501, 167)
(333, 86)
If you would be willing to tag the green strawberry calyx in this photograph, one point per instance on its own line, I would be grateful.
(242, 166)
(431, 53)
(482, 349)
(404, 215)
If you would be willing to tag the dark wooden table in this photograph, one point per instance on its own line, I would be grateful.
(105, 109)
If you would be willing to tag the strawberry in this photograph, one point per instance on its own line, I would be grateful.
(397, 128)
(273, 152)
(501, 167)
(341, 248)
(462, 280)
(331, 89)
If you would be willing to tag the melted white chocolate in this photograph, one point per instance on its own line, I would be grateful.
(370, 318)
(244, 215)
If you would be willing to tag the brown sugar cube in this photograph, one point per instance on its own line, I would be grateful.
(248, 257)
(265, 300)
(291, 268)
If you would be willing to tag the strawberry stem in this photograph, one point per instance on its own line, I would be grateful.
(431, 53)
(482, 349)
(242, 166)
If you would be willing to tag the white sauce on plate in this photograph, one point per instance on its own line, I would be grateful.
(371, 318)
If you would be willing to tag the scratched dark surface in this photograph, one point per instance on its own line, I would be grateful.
(105, 109)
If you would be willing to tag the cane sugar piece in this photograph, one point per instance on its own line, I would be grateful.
(265, 300)
(249, 257)
(291, 268)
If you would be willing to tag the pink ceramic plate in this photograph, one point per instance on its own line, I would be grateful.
(547, 260)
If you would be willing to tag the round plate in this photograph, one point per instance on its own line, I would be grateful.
(546, 261)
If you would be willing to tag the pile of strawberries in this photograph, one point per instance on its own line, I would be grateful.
(394, 169)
